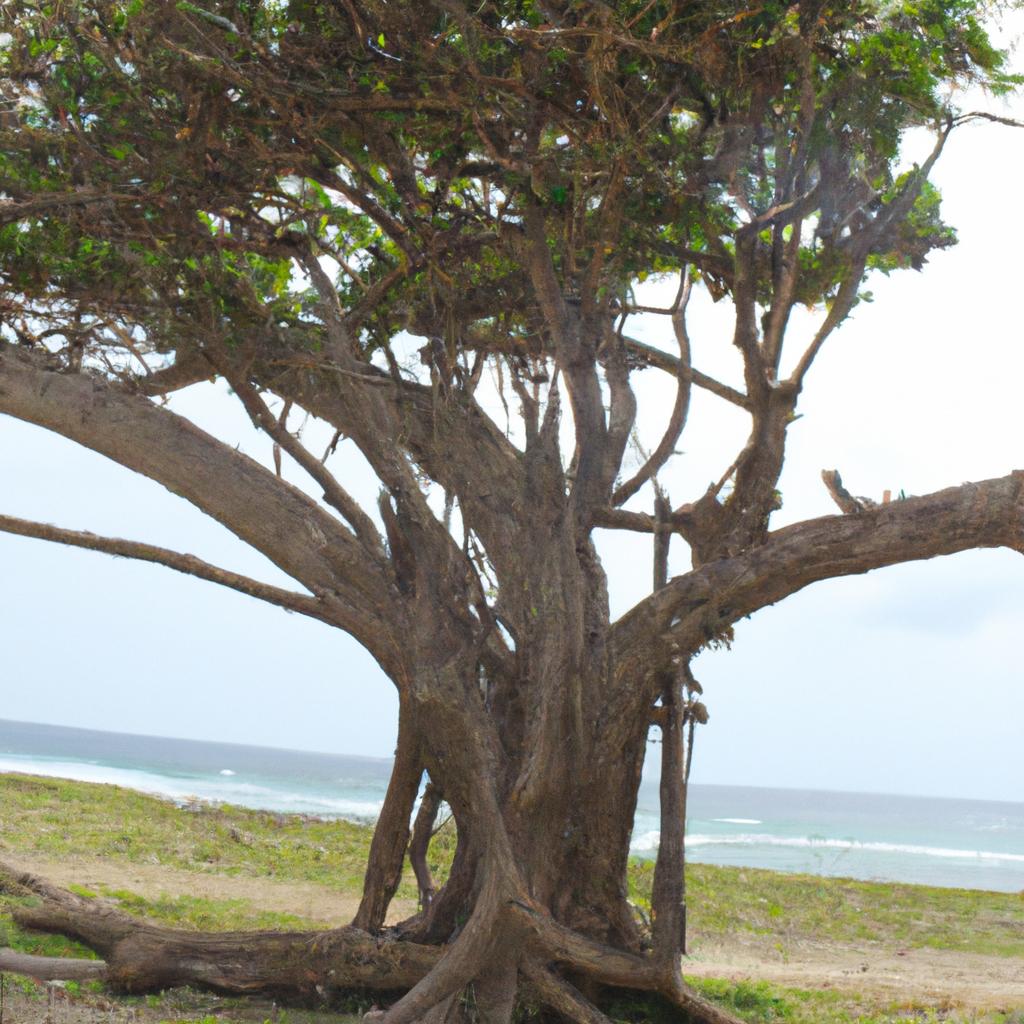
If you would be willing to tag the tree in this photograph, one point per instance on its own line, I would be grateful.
(412, 221)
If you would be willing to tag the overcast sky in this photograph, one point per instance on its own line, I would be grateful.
(907, 680)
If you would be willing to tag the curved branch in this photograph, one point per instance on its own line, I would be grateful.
(282, 522)
(391, 833)
(334, 494)
(187, 369)
(681, 408)
(615, 967)
(475, 946)
(188, 564)
(422, 832)
(561, 996)
(987, 514)
(454, 441)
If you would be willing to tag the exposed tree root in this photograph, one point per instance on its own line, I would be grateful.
(562, 997)
(143, 957)
(51, 968)
(507, 944)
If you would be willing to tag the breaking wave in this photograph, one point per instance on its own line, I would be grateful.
(186, 789)
(648, 842)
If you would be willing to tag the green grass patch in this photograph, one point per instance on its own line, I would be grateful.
(57, 818)
(778, 910)
(762, 1003)
(19, 939)
(197, 913)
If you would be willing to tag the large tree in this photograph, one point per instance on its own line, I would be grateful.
(423, 224)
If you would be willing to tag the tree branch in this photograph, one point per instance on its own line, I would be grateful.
(183, 563)
(52, 968)
(681, 407)
(289, 527)
(697, 605)
(648, 355)
(334, 494)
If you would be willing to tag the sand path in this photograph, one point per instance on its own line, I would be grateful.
(932, 977)
(305, 899)
(939, 978)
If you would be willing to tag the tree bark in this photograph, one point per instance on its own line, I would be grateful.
(306, 968)
(391, 832)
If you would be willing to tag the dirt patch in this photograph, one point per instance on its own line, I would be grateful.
(934, 977)
(305, 899)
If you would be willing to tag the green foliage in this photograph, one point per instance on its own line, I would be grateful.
(200, 914)
(761, 1003)
(206, 145)
(36, 944)
(754, 1001)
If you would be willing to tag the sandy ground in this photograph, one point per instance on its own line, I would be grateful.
(937, 978)
(305, 899)
(933, 977)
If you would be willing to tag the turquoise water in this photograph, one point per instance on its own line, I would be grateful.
(972, 844)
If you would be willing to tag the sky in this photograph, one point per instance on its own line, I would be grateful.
(906, 680)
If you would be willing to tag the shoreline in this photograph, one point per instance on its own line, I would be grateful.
(740, 842)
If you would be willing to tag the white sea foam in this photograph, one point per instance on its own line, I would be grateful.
(226, 771)
(740, 821)
(649, 841)
(645, 843)
(187, 789)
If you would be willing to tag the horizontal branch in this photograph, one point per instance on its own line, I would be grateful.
(640, 522)
(187, 564)
(974, 515)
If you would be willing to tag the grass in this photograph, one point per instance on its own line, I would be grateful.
(761, 1003)
(780, 910)
(197, 913)
(55, 818)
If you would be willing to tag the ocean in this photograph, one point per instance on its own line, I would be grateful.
(971, 844)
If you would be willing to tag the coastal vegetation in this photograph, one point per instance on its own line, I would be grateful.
(771, 916)
(424, 225)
